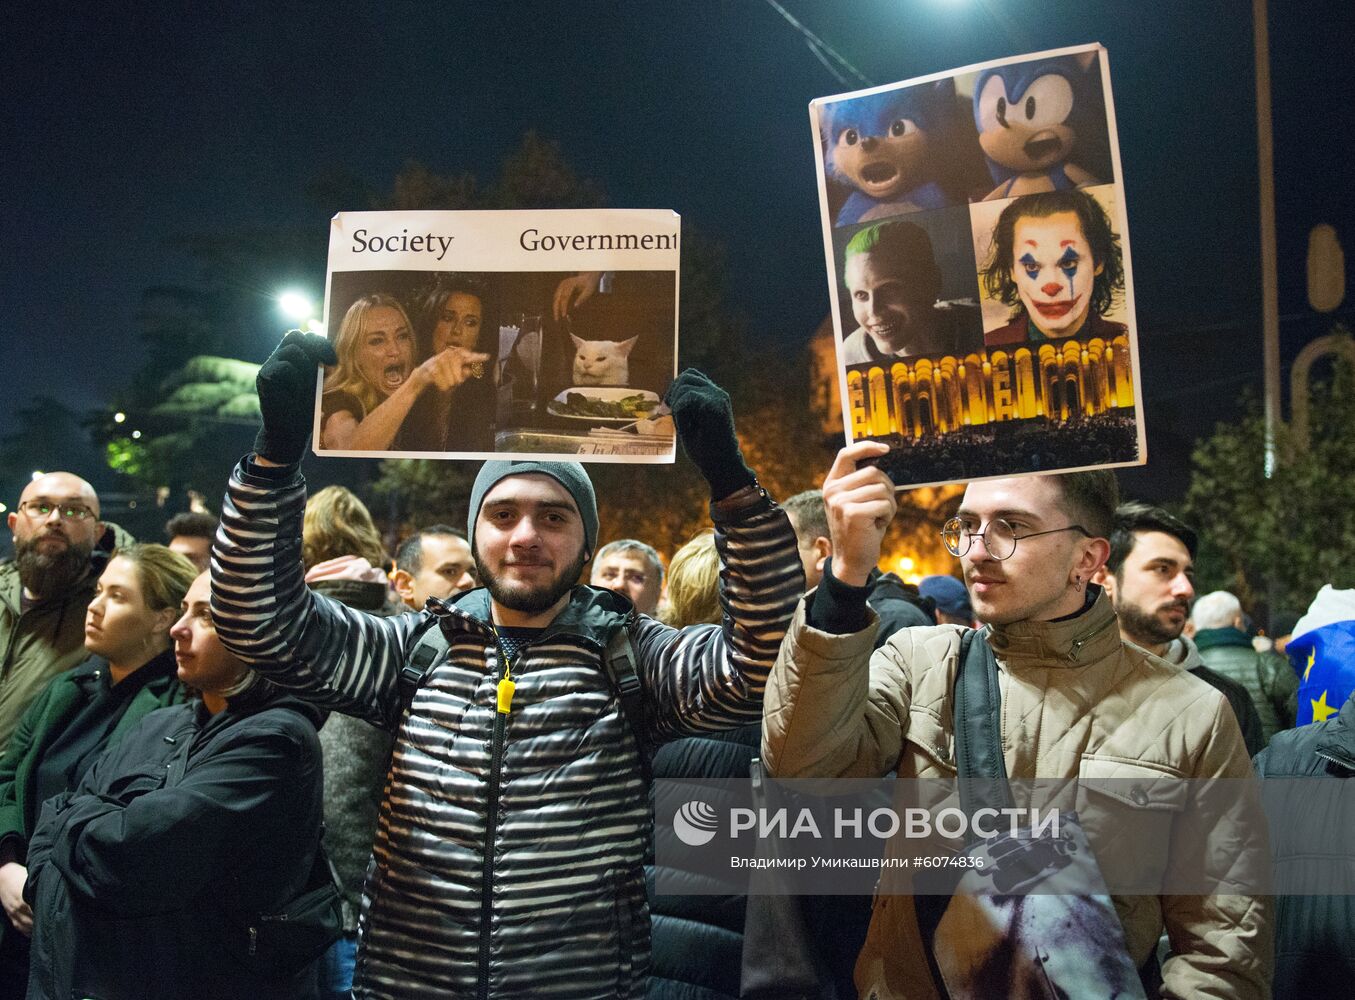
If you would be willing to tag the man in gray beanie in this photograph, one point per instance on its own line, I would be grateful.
(510, 847)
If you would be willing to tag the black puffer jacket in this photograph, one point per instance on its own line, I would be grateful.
(510, 847)
(138, 882)
(1310, 832)
(698, 940)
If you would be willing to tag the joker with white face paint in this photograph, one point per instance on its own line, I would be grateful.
(1055, 272)
(1056, 260)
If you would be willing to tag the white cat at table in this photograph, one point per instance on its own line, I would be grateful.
(602, 362)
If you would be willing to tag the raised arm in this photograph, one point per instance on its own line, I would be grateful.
(832, 709)
(710, 677)
(265, 614)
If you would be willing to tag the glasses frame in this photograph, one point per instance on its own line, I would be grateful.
(969, 536)
(86, 515)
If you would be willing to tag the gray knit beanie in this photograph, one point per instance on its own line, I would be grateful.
(570, 475)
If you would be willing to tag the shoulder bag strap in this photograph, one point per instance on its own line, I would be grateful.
(978, 738)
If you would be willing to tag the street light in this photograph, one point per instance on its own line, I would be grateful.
(119, 417)
(296, 306)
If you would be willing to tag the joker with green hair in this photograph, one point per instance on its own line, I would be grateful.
(894, 283)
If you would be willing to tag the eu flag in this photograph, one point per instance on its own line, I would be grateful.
(1323, 653)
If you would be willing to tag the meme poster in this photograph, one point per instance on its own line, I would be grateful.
(978, 260)
(471, 335)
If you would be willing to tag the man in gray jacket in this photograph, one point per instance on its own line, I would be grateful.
(509, 848)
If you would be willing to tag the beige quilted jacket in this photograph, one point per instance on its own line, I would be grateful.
(1076, 701)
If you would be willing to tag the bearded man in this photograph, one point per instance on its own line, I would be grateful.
(1150, 580)
(510, 846)
(60, 548)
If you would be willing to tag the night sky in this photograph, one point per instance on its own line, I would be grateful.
(129, 130)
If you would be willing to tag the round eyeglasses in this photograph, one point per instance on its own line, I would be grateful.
(999, 538)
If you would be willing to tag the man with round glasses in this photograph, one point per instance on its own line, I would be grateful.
(46, 587)
(1076, 702)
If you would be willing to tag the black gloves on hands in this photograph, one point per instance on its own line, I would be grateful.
(286, 386)
(705, 423)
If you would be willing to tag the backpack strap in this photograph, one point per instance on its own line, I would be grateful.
(618, 662)
(429, 645)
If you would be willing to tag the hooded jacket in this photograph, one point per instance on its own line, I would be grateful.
(1075, 701)
(1181, 652)
(140, 885)
(1314, 943)
(509, 851)
(48, 638)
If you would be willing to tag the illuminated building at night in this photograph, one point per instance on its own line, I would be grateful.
(1061, 382)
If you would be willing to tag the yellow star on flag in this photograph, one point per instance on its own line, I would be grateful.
(1321, 709)
(1312, 655)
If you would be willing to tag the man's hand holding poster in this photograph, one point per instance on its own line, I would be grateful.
(977, 249)
(479, 334)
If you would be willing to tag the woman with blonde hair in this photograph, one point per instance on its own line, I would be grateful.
(694, 583)
(336, 523)
(370, 392)
(130, 672)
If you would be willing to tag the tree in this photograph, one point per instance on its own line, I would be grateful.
(207, 414)
(1295, 529)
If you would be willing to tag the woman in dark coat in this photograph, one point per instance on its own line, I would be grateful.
(81, 712)
(146, 881)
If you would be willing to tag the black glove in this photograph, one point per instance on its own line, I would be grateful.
(286, 386)
(705, 423)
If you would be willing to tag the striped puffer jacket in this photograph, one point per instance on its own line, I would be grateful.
(509, 851)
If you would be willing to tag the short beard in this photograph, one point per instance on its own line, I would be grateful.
(46, 575)
(1145, 629)
(533, 600)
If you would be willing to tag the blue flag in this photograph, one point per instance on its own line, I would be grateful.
(1323, 653)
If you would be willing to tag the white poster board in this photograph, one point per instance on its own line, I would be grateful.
(977, 246)
(530, 334)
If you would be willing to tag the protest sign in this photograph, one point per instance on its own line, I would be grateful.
(975, 233)
(530, 334)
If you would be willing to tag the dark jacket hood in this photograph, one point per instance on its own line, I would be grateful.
(263, 694)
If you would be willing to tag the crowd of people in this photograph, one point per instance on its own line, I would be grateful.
(271, 759)
(1103, 438)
